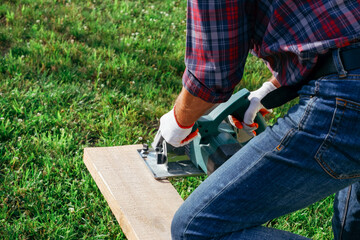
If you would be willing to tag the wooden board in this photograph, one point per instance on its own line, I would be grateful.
(143, 206)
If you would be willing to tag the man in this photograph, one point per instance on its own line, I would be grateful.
(311, 153)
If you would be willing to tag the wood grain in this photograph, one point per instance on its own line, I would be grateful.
(143, 206)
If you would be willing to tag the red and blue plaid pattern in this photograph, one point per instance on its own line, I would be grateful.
(288, 34)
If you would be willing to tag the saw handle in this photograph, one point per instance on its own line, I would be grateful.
(236, 106)
(259, 119)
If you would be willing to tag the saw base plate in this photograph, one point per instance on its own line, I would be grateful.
(181, 168)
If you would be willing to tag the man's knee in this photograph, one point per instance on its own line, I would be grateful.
(178, 226)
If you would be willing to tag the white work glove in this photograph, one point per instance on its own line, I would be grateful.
(248, 125)
(173, 133)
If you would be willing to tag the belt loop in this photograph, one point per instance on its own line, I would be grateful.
(338, 63)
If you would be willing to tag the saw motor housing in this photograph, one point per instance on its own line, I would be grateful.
(216, 142)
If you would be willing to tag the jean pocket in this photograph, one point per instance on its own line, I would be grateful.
(339, 154)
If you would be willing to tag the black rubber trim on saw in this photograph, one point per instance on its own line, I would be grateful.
(220, 156)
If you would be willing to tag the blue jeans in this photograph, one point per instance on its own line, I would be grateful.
(311, 153)
(346, 220)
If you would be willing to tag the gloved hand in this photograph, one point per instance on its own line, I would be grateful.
(248, 125)
(173, 133)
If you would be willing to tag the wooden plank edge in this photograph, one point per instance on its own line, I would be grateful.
(104, 189)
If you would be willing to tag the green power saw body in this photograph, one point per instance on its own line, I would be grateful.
(216, 142)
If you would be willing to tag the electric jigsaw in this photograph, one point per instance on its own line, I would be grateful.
(215, 143)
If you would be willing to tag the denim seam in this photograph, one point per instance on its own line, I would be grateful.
(220, 192)
(309, 108)
(348, 104)
(345, 212)
(300, 125)
(325, 144)
(286, 139)
(335, 77)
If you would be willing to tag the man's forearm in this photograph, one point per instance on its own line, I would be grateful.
(189, 108)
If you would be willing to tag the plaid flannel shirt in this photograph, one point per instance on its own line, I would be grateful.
(287, 34)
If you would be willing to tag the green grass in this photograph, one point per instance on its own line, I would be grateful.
(76, 74)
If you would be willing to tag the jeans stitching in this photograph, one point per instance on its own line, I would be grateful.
(348, 104)
(335, 77)
(326, 167)
(324, 146)
(286, 139)
(307, 111)
(300, 125)
(345, 212)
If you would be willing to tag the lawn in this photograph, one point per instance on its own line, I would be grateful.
(76, 74)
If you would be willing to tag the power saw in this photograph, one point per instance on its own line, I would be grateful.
(215, 143)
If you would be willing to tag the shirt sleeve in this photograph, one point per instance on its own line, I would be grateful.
(217, 44)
